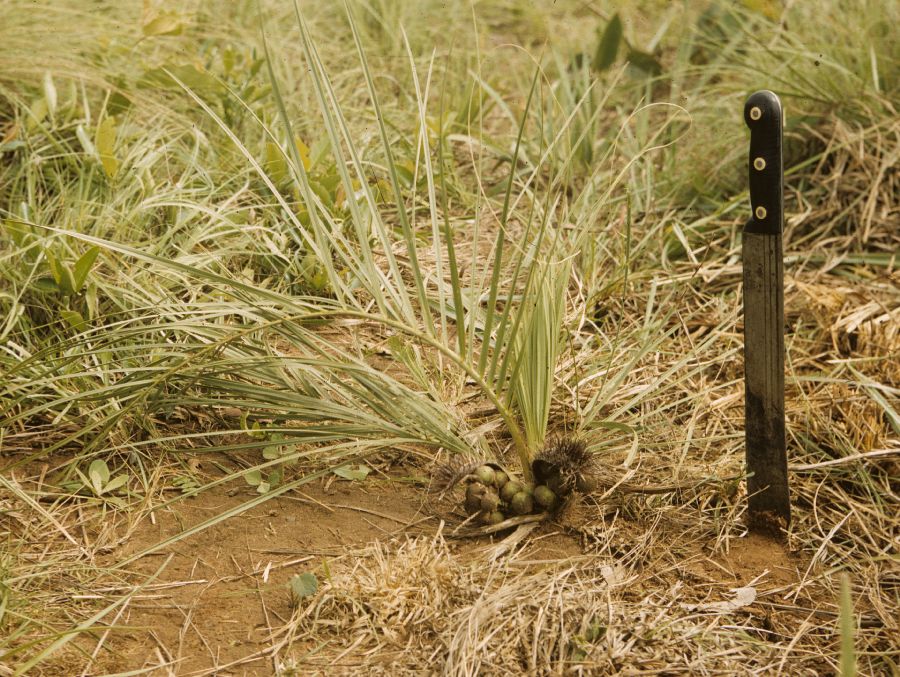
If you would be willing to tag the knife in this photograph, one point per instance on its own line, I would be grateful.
(769, 508)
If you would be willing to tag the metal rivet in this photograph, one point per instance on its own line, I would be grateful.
(755, 113)
(759, 164)
(760, 213)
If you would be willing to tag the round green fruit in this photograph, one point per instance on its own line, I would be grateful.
(496, 517)
(510, 489)
(544, 497)
(555, 484)
(522, 503)
(485, 474)
(500, 479)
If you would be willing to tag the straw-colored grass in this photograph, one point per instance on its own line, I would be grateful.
(403, 231)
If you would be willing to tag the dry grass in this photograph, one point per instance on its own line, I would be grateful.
(627, 604)
(639, 601)
(621, 582)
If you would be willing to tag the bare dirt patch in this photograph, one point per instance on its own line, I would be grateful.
(397, 591)
(225, 588)
(752, 555)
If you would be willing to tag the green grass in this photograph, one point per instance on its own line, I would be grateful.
(335, 229)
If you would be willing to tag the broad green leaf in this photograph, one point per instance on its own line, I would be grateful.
(197, 80)
(276, 164)
(608, 46)
(54, 265)
(253, 477)
(313, 273)
(303, 585)
(116, 482)
(322, 192)
(263, 487)
(332, 180)
(274, 450)
(106, 145)
(229, 59)
(253, 93)
(644, 61)
(91, 303)
(66, 281)
(771, 9)
(98, 472)
(405, 173)
(353, 472)
(83, 267)
(74, 319)
(162, 22)
(37, 112)
(62, 274)
(46, 285)
(20, 233)
(118, 101)
(303, 150)
(99, 466)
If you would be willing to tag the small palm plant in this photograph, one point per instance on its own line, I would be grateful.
(502, 335)
(382, 257)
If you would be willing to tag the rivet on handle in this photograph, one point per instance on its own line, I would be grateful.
(760, 213)
(755, 113)
(759, 164)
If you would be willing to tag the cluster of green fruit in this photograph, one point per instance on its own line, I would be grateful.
(492, 496)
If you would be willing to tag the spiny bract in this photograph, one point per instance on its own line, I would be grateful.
(564, 465)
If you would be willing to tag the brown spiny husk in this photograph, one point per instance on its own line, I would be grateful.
(449, 474)
(563, 464)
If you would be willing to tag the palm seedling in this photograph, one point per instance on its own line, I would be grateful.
(491, 308)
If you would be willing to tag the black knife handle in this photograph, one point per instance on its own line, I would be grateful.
(764, 117)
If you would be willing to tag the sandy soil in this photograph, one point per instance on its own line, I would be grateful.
(218, 604)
